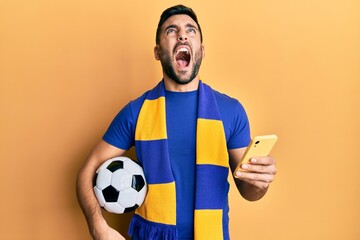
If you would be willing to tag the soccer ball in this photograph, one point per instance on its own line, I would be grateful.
(120, 185)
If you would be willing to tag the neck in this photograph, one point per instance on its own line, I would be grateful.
(172, 86)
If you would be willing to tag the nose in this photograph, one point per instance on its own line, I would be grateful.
(182, 36)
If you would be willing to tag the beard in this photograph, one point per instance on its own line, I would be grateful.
(181, 78)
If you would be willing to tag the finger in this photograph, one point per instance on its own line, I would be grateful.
(259, 168)
(265, 160)
(250, 176)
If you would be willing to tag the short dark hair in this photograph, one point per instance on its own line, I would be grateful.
(176, 10)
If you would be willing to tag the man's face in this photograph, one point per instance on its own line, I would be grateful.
(180, 50)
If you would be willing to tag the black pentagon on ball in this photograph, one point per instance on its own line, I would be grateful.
(110, 194)
(129, 209)
(115, 165)
(138, 182)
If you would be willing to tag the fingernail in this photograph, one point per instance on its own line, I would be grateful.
(238, 174)
(244, 166)
(253, 160)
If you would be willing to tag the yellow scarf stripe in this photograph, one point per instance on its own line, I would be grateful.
(160, 204)
(151, 123)
(208, 224)
(211, 143)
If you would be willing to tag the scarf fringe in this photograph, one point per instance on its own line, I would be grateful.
(151, 231)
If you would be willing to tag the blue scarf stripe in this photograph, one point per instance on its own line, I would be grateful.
(158, 91)
(210, 192)
(142, 229)
(208, 109)
(157, 164)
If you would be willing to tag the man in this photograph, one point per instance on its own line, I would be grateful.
(185, 135)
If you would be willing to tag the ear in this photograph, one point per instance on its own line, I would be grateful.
(156, 52)
(203, 50)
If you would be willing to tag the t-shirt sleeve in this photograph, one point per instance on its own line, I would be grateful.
(240, 129)
(121, 130)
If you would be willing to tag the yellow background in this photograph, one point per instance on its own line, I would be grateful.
(68, 66)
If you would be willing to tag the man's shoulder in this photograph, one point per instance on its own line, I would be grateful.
(226, 100)
(139, 100)
(229, 107)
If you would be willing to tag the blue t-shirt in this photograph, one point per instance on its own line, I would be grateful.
(181, 114)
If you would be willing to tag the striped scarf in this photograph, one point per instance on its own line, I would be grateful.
(156, 218)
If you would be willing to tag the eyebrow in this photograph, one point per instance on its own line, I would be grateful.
(170, 26)
(176, 26)
(191, 25)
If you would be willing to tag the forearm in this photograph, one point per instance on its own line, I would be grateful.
(98, 227)
(87, 199)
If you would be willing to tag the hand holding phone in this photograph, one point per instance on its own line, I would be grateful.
(259, 146)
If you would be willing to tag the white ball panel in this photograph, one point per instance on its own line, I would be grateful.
(114, 207)
(132, 167)
(121, 179)
(99, 196)
(103, 179)
(127, 197)
(141, 196)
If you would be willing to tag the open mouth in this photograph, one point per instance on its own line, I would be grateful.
(182, 57)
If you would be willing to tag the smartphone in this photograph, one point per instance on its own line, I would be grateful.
(258, 147)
